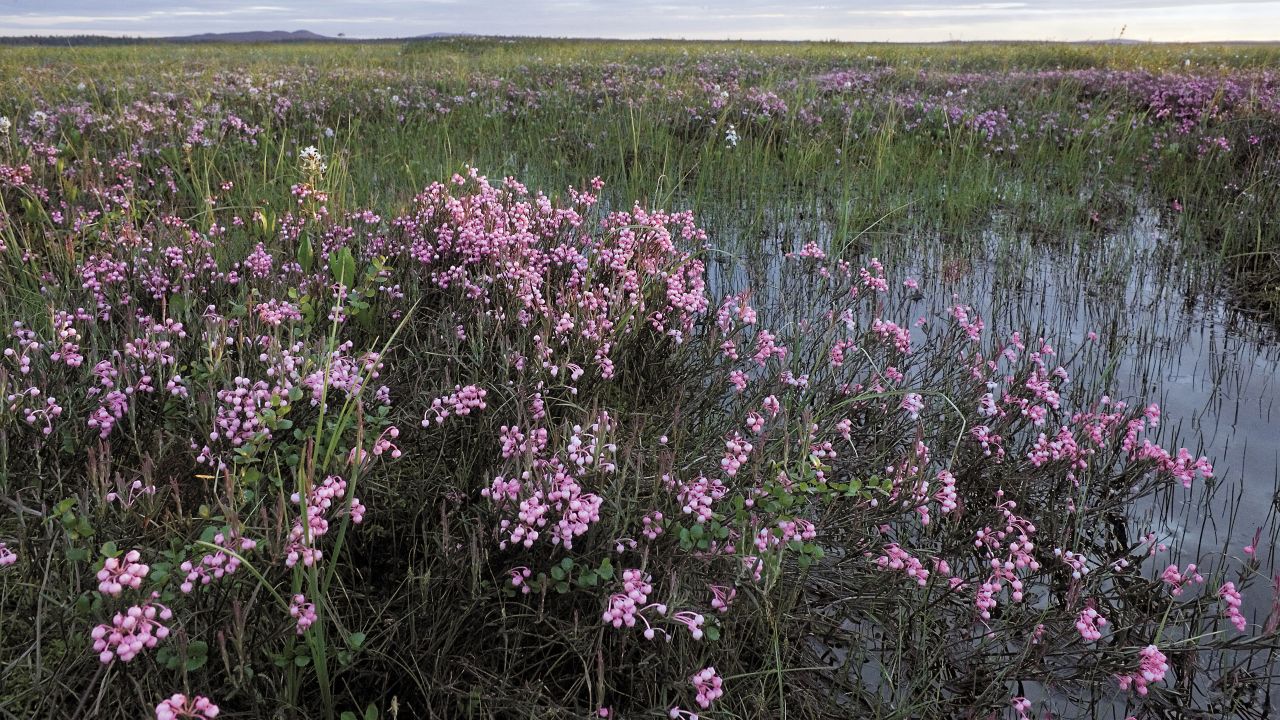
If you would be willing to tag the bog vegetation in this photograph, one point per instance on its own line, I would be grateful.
(465, 379)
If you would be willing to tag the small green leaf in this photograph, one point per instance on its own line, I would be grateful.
(343, 265)
(306, 255)
(167, 657)
(197, 654)
(355, 640)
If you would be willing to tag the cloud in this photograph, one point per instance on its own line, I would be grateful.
(921, 20)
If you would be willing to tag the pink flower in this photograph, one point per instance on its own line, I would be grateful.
(1152, 668)
(117, 574)
(1231, 596)
(178, 706)
(722, 597)
(302, 611)
(708, 686)
(131, 632)
(1090, 623)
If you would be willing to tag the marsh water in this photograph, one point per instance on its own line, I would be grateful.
(1167, 331)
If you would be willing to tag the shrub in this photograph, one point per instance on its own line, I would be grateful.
(504, 455)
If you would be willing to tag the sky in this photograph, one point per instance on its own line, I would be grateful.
(855, 20)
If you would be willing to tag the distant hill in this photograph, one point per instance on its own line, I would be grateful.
(1115, 41)
(253, 36)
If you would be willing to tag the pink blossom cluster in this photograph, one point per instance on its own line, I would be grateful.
(1152, 667)
(520, 578)
(322, 503)
(239, 419)
(215, 565)
(722, 597)
(697, 496)
(1178, 579)
(708, 685)
(1231, 596)
(1077, 562)
(652, 524)
(539, 496)
(898, 559)
(461, 402)
(277, 312)
(302, 611)
(1009, 550)
(135, 491)
(585, 446)
(912, 405)
(131, 631)
(625, 606)
(736, 453)
(123, 572)
(178, 707)
(1090, 623)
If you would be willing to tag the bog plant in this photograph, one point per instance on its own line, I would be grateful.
(487, 452)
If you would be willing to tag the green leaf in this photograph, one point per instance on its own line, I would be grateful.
(355, 640)
(197, 654)
(306, 255)
(167, 657)
(108, 549)
(371, 712)
(343, 265)
(159, 573)
(557, 572)
(605, 571)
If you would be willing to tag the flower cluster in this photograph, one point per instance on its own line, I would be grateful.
(1152, 668)
(177, 707)
(120, 573)
(130, 632)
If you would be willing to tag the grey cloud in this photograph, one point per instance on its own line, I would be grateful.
(842, 19)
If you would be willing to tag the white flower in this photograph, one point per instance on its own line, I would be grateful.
(731, 136)
(5, 125)
(312, 161)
